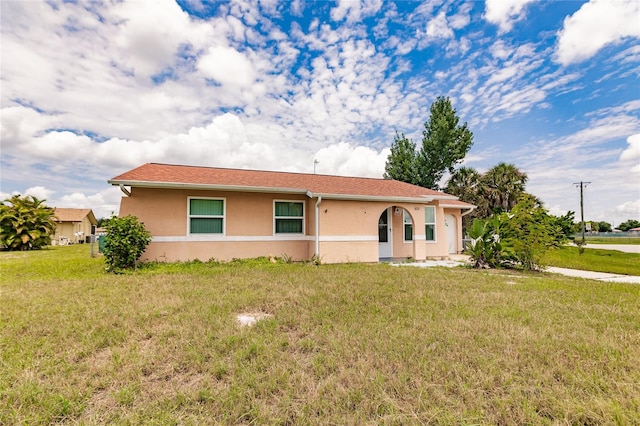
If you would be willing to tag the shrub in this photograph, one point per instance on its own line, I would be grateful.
(125, 242)
(528, 231)
(25, 223)
(516, 239)
(485, 249)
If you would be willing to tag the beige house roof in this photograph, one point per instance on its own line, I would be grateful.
(74, 215)
(154, 175)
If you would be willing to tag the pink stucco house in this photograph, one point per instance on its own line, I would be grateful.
(205, 212)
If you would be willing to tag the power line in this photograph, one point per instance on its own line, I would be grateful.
(582, 186)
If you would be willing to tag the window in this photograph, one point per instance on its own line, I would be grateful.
(408, 226)
(289, 217)
(206, 216)
(430, 222)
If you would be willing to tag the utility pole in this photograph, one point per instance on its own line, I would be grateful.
(582, 186)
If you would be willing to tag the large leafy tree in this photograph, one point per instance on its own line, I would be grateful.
(401, 163)
(629, 224)
(604, 227)
(445, 142)
(26, 223)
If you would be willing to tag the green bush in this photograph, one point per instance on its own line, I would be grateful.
(125, 242)
(519, 238)
(485, 249)
(25, 223)
(528, 231)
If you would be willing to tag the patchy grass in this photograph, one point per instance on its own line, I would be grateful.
(347, 344)
(612, 261)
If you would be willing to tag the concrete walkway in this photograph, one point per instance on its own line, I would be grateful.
(627, 248)
(599, 276)
(461, 260)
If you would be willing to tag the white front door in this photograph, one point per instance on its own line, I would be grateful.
(385, 249)
(452, 233)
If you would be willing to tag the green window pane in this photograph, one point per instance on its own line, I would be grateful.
(430, 214)
(408, 232)
(206, 226)
(289, 209)
(430, 231)
(206, 207)
(288, 226)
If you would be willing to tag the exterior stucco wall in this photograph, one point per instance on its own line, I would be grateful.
(69, 229)
(223, 250)
(457, 215)
(439, 247)
(348, 229)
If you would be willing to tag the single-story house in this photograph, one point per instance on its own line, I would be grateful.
(73, 225)
(634, 232)
(216, 213)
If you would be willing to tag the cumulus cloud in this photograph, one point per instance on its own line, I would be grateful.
(632, 152)
(39, 192)
(92, 89)
(595, 25)
(505, 13)
(438, 27)
(355, 10)
(227, 66)
(344, 159)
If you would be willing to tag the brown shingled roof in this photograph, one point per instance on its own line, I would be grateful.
(166, 175)
(73, 215)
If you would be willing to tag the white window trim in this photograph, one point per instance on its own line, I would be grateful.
(223, 217)
(304, 217)
(405, 213)
(435, 224)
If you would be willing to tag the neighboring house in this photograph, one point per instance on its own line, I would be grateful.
(214, 213)
(73, 225)
(634, 232)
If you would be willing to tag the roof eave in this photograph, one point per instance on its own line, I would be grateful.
(204, 186)
(265, 189)
(457, 206)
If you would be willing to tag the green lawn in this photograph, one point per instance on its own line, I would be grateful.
(346, 344)
(594, 239)
(612, 261)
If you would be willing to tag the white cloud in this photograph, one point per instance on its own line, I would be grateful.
(632, 152)
(343, 159)
(596, 24)
(628, 210)
(462, 18)
(227, 66)
(505, 13)
(438, 27)
(355, 10)
(150, 31)
(39, 192)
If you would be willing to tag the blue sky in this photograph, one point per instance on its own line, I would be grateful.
(92, 89)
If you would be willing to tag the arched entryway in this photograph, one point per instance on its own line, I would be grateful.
(385, 235)
(395, 234)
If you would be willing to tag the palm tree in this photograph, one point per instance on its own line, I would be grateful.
(25, 223)
(466, 184)
(502, 185)
(463, 183)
